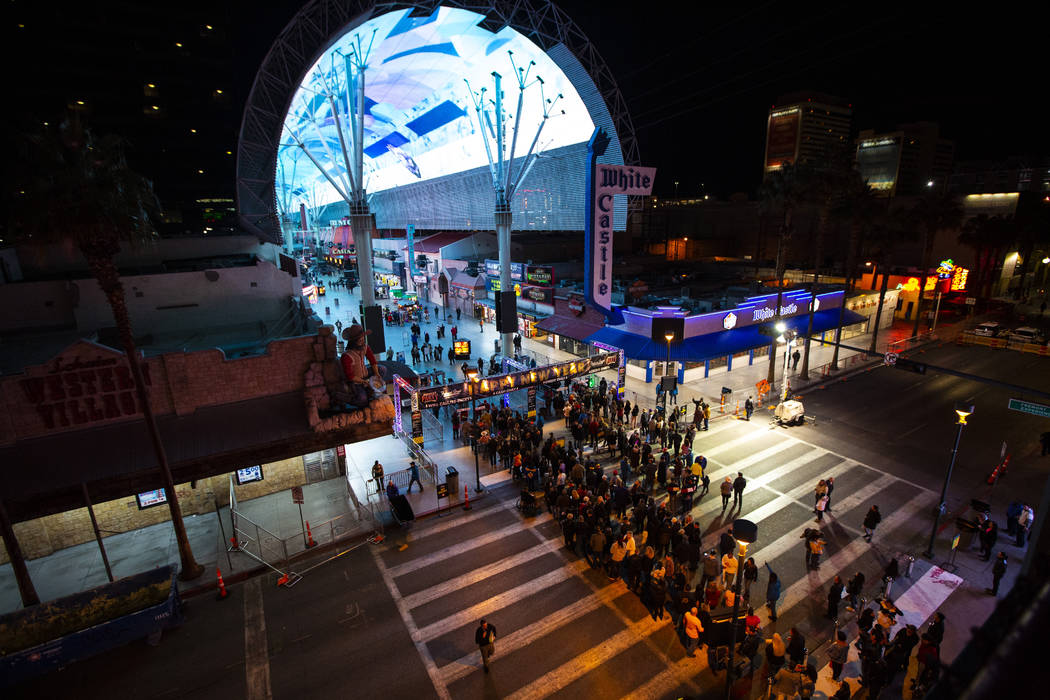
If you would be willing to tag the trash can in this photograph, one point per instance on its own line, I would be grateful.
(967, 529)
(452, 481)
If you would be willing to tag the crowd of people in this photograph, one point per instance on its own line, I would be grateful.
(633, 522)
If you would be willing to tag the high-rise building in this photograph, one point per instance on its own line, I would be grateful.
(905, 161)
(807, 128)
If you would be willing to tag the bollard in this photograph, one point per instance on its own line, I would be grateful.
(909, 566)
(222, 586)
(466, 499)
(309, 536)
(886, 590)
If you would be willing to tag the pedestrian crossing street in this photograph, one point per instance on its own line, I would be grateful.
(564, 630)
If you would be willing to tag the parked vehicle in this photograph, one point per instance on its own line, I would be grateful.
(1026, 334)
(989, 329)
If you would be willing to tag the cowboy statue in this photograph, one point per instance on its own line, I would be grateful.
(362, 385)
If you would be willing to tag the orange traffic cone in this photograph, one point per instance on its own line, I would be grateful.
(309, 536)
(234, 545)
(222, 586)
(736, 411)
(466, 499)
(283, 580)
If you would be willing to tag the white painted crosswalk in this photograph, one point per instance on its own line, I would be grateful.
(440, 618)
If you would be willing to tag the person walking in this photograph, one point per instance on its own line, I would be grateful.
(1024, 523)
(871, 521)
(998, 571)
(739, 484)
(749, 408)
(834, 596)
(772, 593)
(707, 414)
(414, 477)
(795, 357)
(727, 491)
(485, 638)
(816, 548)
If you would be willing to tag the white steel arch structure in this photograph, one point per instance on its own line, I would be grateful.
(321, 23)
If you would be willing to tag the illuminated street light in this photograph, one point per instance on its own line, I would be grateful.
(962, 411)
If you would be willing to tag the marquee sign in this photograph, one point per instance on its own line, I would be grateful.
(604, 182)
(494, 386)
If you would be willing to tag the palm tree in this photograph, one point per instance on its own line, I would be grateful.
(782, 191)
(79, 190)
(931, 214)
(857, 207)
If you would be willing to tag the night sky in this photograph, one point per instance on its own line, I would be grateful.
(698, 81)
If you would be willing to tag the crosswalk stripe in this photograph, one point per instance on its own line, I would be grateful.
(840, 561)
(438, 526)
(491, 605)
(881, 471)
(746, 462)
(410, 626)
(467, 546)
(519, 639)
(681, 672)
(589, 660)
(730, 444)
(480, 574)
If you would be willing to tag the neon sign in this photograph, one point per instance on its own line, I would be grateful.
(945, 269)
(959, 279)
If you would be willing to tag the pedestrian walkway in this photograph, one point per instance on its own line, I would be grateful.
(564, 629)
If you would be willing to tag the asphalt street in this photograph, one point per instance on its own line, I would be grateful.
(397, 620)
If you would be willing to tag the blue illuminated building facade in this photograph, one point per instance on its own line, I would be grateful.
(719, 338)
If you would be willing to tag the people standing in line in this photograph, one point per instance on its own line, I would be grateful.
(998, 571)
(821, 506)
(772, 593)
(485, 638)
(834, 596)
(854, 589)
(377, 476)
(739, 484)
(749, 408)
(727, 491)
(838, 654)
(871, 521)
(729, 569)
(693, 630)
(750, 575)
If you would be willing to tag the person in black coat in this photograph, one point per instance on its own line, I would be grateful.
(796, 646)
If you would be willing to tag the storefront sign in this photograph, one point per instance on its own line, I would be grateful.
(461, 349)
(531, 402)
(151, 498)
(494, 286)
(541, 295)
(540, 275)
(417, 427)
(517, 270)
(959, 275)
(606, 182)
(249, 474)
(945, 269)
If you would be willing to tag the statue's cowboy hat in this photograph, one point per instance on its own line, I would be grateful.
(354, 332)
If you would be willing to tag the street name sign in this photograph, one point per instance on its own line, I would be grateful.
(1036, 409)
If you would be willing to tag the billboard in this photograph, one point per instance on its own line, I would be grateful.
(421, 125)
(539, 275)
(877, 161)
(782, 137)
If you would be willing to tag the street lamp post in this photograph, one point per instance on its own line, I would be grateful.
(745, 532)
(667, 368)
(962, 411)
(788, 337)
